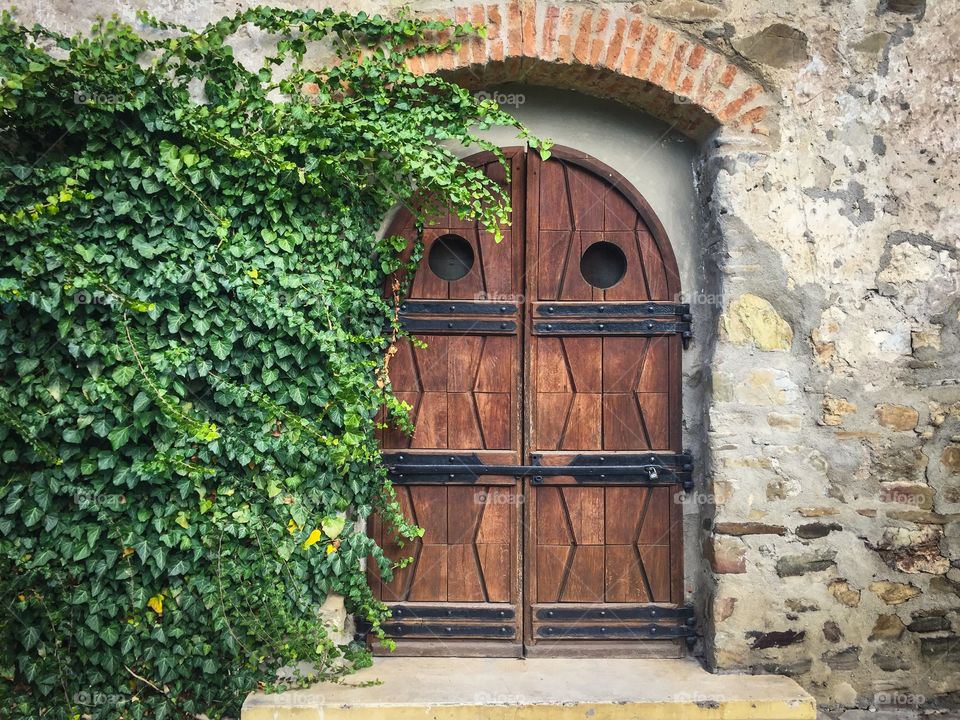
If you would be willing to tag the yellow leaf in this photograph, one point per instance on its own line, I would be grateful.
(313, 539)
(127, 552)
(182, 521)
(292, 527)
(331, 548)
(254, 274)
(156, 604)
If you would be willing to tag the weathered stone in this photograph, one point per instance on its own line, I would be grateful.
(848, 659)
(723, 608)
(832, 632)
(793, 565)
(897, 417)
(942, 585)
(781, 420)
(814, 512)
(790, 669)
(811, 531)
(725, 555)
(766, 386)
(921, 517)
(835, 409)
(844, 594)
(950, 458)
(751, 320)
(894, 593)
(799, 606)
(684, 11)
(748, 528)
(887, 627)
(925, 340)
(933, 623)
(775, 639)
(777, 45)
(903, 7)
(913, 551)
(890, 663)
(872, 43)
(944, 649)
(920, 496)
(905, 464)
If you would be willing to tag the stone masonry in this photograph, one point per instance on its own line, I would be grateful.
(828, 501)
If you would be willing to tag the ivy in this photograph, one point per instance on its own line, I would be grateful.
(194, 340)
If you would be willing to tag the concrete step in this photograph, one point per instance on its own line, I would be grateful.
(411, 688)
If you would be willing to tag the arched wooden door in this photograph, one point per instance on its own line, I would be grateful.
(546, 466)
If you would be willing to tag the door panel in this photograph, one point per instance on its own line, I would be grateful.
(546, 463)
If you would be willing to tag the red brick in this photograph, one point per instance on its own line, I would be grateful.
(584, 34)
(512, 33)
(495, 51)
(478, 45)
(707, 76)
(666, 46)
(529, 34)
(548, 36)
(679, 56)
(696, 57)
(752, 117)
(646, 51)
(599, 33)
(568, 28)
(615, 45)
(729, 73)
(686, 86)
(735, 106)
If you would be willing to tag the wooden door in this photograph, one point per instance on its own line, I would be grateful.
(546, 467)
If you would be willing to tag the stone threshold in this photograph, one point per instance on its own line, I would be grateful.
(408, 688)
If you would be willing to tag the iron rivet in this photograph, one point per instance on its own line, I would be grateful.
(449, 629)
(550, 613)
(450, 325)
(549, 327)
(549, 309)
(603, 477)
(503, 309)
(403, 307)
(602, 308)
(452, 459)
(503, 326)
(603, 613)
(400, 458)
(452, 308)
(452, 476)
(600, 326)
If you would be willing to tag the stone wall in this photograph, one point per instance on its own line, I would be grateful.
(829, 504)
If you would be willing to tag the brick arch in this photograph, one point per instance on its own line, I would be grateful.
(610, 52)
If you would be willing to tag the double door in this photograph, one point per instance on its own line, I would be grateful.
(546, 466)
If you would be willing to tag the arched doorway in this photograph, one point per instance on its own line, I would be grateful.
(546, 463)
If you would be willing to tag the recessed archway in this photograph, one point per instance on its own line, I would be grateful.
(609, 53)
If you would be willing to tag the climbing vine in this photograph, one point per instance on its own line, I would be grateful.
(192, 342)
